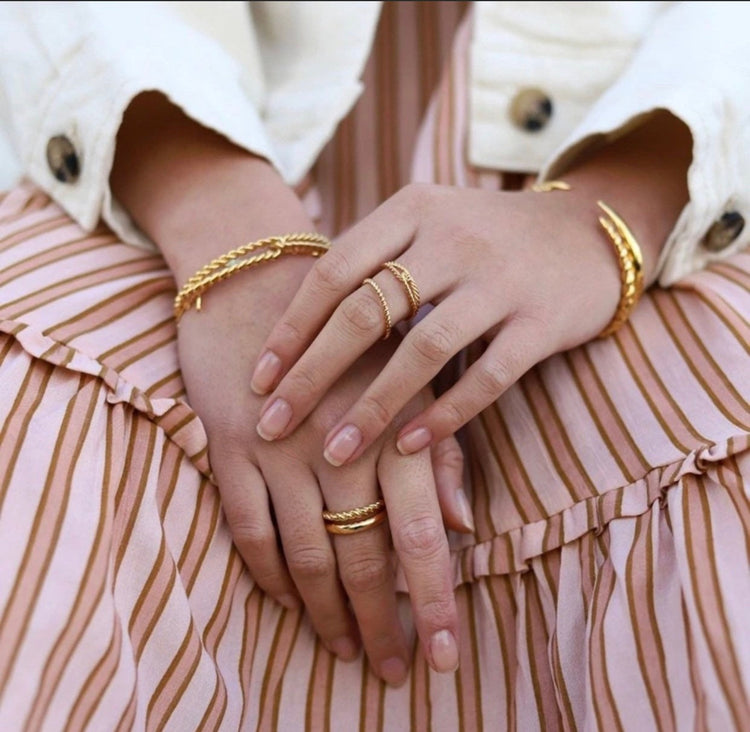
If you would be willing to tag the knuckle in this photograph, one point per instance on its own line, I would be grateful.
(332, 272)
(453, 413)
(376, 413)
(433, 343)
(437, 613)
(420, 538)
(253, 538)
(362, 315)
(301, 383)
(449, 453)
(286, 332)
(310, 563)
(493, 377)
(366, 574)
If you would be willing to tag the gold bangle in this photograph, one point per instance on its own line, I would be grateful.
(629, 257)
(630, 260)
(223, 267)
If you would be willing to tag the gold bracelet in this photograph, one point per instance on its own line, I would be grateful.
(630, 260)
(223, 267)
(629, 257)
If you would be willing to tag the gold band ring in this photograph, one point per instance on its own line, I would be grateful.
(356, 526)
(410, 286)
(354, 514)
(383, 304)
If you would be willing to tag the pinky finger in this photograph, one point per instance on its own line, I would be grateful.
(499, 367)
(244, 498)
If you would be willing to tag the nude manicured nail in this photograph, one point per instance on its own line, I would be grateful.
(274, 420)
(343, 445)
(444, 651)
(265, 373)
(464, 510)
(414, 441)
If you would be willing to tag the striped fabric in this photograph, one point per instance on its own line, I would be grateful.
(607, 585)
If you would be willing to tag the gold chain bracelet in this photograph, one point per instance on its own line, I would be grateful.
(629, 257)
(223, 267)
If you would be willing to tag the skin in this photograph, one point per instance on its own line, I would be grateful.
(530, 273)
(197, 196)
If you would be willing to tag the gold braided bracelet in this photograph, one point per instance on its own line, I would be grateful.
(629, 257)
(223, 267)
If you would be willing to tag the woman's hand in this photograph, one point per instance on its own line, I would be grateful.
(531, 274)
(199, 196)
(274, 494)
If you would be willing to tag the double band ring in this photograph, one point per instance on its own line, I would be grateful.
(355, 519)
(410, 287)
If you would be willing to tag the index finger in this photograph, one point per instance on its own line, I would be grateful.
(379, 237)
(421, 544)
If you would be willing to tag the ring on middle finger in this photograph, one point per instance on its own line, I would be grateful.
(407, 281)
(355, 519)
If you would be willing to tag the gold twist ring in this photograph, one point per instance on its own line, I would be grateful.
(354, 514)
(410, 286)
(383, 304)
(355, 526)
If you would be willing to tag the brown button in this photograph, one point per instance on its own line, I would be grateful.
(531, 110)
(724, 231)
(62, 159)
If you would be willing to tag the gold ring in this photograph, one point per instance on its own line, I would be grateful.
(404, 277)
(355, 526)
(383, 304)
(354, 514)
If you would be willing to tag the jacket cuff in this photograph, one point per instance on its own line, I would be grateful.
(94, 87)
(669, 72)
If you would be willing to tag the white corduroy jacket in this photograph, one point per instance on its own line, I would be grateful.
(277, 77)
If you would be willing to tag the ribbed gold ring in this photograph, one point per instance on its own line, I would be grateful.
(383, 304)
(356, 526)
(410, 286)
(354, 514)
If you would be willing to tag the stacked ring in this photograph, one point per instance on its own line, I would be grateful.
(355, 519)
(410, 286)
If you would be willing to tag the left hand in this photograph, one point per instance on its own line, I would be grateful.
(530, 273)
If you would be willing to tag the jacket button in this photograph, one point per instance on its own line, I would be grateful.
(531, 110)
(724, 231)
(62, 159)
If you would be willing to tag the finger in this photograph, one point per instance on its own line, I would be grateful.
(448, 467)
(510, 354)
(244, 498)
(298, 505)
(422, 354)
(366, 568)
(381, 236)
(357, 323)
(421, 544)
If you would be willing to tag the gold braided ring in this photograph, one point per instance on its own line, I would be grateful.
(383, 304)
(410, 286)
(354, 514)
(355, 526)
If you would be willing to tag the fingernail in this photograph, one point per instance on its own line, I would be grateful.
(343, 445)
(414, 440)
(345, 648)
(265, 373)
(464, 509)
(444, 651)
(393, 671)
(289, 601)
(274, 420)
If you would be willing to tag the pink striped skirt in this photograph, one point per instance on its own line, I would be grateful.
(607, 585)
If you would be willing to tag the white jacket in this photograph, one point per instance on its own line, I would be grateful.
(277, 77)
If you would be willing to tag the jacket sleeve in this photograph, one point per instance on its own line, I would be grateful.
(68, 71)
(695, 62)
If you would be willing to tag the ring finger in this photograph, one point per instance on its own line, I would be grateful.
(366, 568)
(360, 320)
